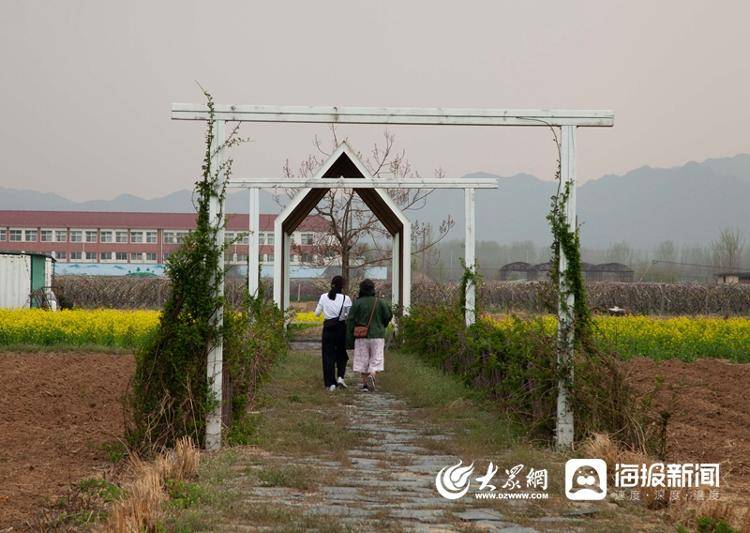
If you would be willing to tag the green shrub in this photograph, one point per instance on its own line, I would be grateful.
(253, 340)
(515, 366)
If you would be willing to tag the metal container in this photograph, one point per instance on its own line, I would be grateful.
(26, 280)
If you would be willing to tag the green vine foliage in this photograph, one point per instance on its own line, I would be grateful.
(601, 397)
(170, 395)
(470, 276)
(566, 240)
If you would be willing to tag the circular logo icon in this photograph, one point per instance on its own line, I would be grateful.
(452, 482)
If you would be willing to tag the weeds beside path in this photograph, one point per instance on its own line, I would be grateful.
(311, 459)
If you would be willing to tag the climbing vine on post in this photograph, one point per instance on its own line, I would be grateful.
(170, 395)
(566, 242)
(565, 272)
(469, 278)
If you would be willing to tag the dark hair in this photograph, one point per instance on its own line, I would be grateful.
(366, 288)
(337, 287)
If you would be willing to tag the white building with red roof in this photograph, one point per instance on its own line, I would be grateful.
(141, 238)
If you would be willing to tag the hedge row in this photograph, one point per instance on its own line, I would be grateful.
(635, 298)
(514, 364)
(95, 292)
(533, 297)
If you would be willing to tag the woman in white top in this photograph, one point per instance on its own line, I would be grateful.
(334, 305)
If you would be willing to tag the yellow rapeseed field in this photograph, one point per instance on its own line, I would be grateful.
(79, 327)
(307, 317)
(683, 337)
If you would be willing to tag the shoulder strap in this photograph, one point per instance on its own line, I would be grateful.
(343, 301)
(374, 305)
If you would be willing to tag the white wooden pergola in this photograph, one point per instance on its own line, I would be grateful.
(566, 120)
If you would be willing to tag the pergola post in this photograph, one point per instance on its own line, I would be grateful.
(395, 267)
(253, 242)
(215, 354)
(469, 259)
(405, 266)
(286, 259)
(278, 266)
(565, 331)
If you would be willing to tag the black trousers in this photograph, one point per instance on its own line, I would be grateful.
(334, 350)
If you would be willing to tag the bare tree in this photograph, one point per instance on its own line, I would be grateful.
(620, 252)
(355, 232)
(727, 249)
(428, 256)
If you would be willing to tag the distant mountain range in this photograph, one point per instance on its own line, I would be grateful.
(686, 204)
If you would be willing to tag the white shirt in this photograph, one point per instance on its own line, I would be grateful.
(332, 308)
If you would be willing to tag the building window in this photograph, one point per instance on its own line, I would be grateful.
(105, 256)
(269, 258)
(228, 236)
(121, 256)
(169, 237)
(151, 237)
(121, 236)
(242, 258)
(61, 236)
(306, 238)
(46, 235)
(91, 236)
(30, 235)
(151, 256)
(181, 236)
(3, 234)
(61, 255)
(75, 256)
(245, 239)
(307, 258)
(105, 236)
(76, 236)
(136, 236)
(269, 237)
(15, 235)
(89, 256)
(136, 256)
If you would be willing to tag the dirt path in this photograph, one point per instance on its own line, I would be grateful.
(387, 482)
(356, 461)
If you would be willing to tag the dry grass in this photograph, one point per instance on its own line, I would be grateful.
(145, 494)
(685, 510)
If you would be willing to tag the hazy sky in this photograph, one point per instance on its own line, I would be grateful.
(86, 86)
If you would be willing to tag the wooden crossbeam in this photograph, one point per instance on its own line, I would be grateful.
(364, 183)
(445, 116)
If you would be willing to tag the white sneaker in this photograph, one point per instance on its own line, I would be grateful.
(340, 381)
(332, 388)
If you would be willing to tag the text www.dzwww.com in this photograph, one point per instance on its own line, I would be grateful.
(511, 496)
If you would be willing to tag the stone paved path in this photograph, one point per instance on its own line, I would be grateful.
(386, 484)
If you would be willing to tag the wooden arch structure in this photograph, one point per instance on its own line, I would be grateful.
(344, 163)
(566, 119)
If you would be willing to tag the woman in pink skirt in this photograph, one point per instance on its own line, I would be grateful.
(366, 326)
